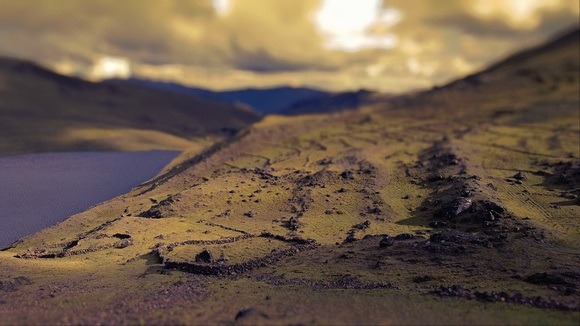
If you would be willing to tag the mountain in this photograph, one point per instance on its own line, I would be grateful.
(456, 205)
(331, 103)
(42, 110)
(550, 68)
(264, 101)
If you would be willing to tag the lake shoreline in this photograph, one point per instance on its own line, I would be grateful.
(39, 190)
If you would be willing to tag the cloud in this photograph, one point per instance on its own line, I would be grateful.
(511, 19)
(110, 67)
(222, 7)
(348, 25)
(390, 45)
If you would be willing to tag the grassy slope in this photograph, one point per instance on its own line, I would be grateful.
(409, 161)
(44, 111)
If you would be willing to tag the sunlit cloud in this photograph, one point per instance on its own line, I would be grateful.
(222, 7)
(110, 67)
(347, 25)
(519, 14)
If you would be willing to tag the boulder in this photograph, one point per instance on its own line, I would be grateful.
(204, 256)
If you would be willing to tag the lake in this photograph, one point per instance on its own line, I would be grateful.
(40, 190)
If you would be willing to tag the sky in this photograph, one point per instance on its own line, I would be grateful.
(385, 45)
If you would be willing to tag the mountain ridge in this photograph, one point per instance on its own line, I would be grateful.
(264, 100)
(71, 113)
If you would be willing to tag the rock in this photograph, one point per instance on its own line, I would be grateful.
(519, 176)
(350, 238)
(386, 242)
(448, 159)
(488, 216)
(347, 175)
(124, 243)
(249, 214)
(458, 237)
(460, 205)
(155, 211)
(347, 281)
(438, 224)
(7, 286)
(14, 284)
(152, 212)
(491, 206)
(374, 210)
(244, 313)
(225, 213)
(293, 223)
(547, 279)
(453, 291)
(455, 207)
(121, 236)
(488, 211)
(363, 225)
(423, 278)
(439, 237)
(22, 280)
(435, 177)
(204, 256)
(491, 185)
(264, 173)
(222, 258)
(325, 161)
(404, 236)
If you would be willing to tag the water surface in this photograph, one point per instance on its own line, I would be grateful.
(40, 190)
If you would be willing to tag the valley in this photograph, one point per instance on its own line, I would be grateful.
(451, 205)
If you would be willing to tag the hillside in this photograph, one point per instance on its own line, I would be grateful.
(451, 206)
(44, 111)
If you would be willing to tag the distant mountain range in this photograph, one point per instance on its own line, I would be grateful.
(280, 100)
